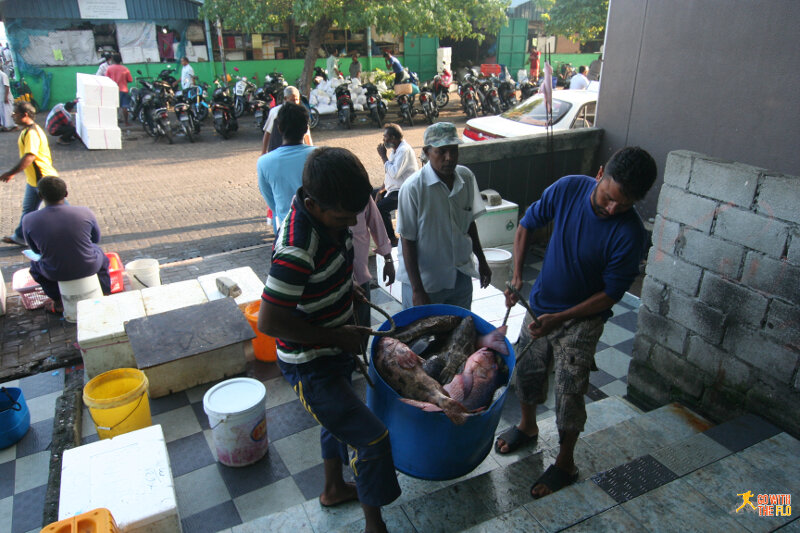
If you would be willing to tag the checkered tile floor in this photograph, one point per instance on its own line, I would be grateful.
(212, 497)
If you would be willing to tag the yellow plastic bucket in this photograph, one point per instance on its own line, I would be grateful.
(118, 402)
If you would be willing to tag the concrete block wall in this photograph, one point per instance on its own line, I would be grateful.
(719, 325)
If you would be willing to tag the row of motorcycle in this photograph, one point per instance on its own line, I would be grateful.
(490, 95)
(151, 100)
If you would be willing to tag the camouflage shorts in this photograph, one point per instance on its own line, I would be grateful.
(570, 348)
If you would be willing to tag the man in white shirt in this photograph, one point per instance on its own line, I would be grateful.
(272, 137)
(436, 214)
(398, 166)
(187, 74)
(579, 81)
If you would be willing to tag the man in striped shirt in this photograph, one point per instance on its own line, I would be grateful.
(307, 305)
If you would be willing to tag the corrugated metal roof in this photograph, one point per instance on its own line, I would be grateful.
(153, 10)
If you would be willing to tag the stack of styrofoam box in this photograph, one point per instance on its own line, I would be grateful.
(98, 100)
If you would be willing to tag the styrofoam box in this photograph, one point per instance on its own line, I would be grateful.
(103, 342)
(252, 287)
(101, 138)
(97, 90)
(129, 475)
(164, 298)
(498, 225)
(97, 117)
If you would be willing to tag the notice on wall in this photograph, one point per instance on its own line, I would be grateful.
(103, 9)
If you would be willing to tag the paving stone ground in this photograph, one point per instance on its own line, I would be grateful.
(186, 205)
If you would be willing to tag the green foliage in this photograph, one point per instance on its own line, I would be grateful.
(584, 17)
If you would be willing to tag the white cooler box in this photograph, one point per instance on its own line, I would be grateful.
(101, 138)
(93, 116)
(498, 225)
(97, 90)
(102, 338)
(163, 298)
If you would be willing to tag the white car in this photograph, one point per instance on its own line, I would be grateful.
(571, 109)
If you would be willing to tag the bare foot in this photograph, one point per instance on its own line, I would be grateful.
(347, 493)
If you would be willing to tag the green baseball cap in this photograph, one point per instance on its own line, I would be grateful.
(441, 134)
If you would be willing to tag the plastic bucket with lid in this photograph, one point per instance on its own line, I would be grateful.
(500, 262)
(15, 418)
(74, 291)
(118, 402)
(263, 345)
(237, 415)
(428, 445)
(143, 273)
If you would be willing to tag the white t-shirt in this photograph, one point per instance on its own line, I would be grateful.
(438, 219)
(187, 77)
(101, 70)
(579, 81)
(401, 164)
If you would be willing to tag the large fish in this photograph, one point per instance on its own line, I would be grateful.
(460, 345)
(474, 388)
(426, 326)
(402, 370)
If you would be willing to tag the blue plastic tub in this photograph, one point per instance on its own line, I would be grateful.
(429, 445)
(15, 419)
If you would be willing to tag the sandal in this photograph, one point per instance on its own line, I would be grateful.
(554, 479)
(50, 307)
(11, 239)
(514, 439)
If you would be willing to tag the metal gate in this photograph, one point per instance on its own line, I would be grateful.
(512, 44)
(419, 55)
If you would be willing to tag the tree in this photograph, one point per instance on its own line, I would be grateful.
(584, 17)
(457, 19)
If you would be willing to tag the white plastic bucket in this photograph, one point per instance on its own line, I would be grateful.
(500, 263)
(74, 291)
(143, 273)
(237, 415)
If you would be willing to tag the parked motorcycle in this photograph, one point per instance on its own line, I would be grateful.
(149, 104)
(490, 99)
(527, 89)
(427, 101)
(507, 90)
(196, 97)
(344, 106)
(244, 94)
(441, 88)
(313, 114)
(222, 110)
(375, 104)
(275, 84)
(183, 112)
(166, 75)
(469, 97)
(261, 107)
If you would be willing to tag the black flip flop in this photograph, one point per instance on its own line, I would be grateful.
(514, 439)
(554, 479)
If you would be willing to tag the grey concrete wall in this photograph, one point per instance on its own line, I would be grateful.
(719, 324)
(719, 77)
(520, 169)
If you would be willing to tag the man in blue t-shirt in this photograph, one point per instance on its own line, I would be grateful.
(591, 260)
(67, 238)
(394, 64)
(280, 172)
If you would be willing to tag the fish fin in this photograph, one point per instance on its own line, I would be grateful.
(408, 359)
(425, 406)
(496, 340)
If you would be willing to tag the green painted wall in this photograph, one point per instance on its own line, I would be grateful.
(63, 84)
(557, 59)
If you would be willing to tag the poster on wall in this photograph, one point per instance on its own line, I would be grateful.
(103, 9)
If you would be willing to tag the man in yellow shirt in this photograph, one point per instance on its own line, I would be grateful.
(35, 160)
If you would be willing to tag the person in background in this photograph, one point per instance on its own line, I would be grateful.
(122, 76)
(104, 63)
(333, 64)
(533, 58)
(272, 137)
(591, 260)
(355, 67)
(436, 213)
(66, 237)
(369, 223)
(397, 167)
(307, 306)
(60, 123)
(579, 81)
(280, 172)
(6, 104)
(395, 66)
(187, 74)
(594, 68)
(35, 161)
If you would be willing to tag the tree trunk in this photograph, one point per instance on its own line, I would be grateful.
(315, 35)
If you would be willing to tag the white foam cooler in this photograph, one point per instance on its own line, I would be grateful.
(102, 339)
(93, 116)
(498, 225)
(101, 138)
(129, 475)
(97, 90)
(173, 296)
